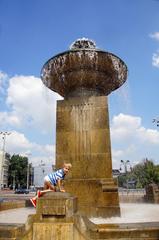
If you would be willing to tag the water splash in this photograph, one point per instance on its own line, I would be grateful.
(133, 213)
(83, 43)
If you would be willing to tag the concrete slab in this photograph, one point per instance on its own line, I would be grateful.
(18, 215)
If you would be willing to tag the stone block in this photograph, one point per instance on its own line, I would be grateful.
(51, 231)
(57, 204)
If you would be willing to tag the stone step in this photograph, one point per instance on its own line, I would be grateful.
(109, 188)
(11, 231)
(147, 231)
(7, 238)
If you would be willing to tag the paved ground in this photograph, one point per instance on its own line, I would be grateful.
(11, 196)
(130, 212)
(18, 215)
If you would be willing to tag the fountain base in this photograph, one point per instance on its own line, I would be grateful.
(96, 197)
(57, 217)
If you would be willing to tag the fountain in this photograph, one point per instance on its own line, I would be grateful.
(84, 76)
(90, 208)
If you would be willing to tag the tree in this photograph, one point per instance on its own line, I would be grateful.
(146, 173)
(143, 174)
(18, 171)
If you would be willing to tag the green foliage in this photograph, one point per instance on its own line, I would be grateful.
(146, 173)
(18, 171)
(143, 174)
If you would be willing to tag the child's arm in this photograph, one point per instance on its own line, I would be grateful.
(59, 185)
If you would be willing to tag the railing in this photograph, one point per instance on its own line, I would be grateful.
(138, 191)
(132, 195)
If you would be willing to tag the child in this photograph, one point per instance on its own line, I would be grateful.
(52, 180)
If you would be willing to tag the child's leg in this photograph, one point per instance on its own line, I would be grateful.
(47, 188)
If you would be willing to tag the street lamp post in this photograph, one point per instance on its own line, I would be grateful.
(124, 163)
(28, 154)
(4, 134)
(156, 121)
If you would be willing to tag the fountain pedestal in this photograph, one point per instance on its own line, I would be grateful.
(56, 204)
(83, 138)
(54, 217)
(84, 76)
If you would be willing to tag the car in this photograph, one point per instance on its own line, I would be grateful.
(21, 190)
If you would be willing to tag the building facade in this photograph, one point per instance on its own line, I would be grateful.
(40, 172)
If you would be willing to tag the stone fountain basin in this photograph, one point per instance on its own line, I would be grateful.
(89, 69)
(137, 221)
(132, 213)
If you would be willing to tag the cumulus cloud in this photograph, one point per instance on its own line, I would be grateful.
(155, 36)
(155, 56)
(9, 118)
(127, 127)
(126, 153)
(3, 82)
(17, 143)
(124, 126)
(30, 106)
(130, 140)
(31, 103)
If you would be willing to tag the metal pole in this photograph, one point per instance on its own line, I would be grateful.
(4, 134)
(125, 163)
(28, 154)
(28, 176)
(14, 181)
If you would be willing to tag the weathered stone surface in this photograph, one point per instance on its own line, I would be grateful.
(50, 231)
(152, 193)
(11, 231)
(11, 204)
(83, 138)
(69, 72)
(122, 231)
(57, 204)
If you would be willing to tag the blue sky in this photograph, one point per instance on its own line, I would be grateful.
(33, 31)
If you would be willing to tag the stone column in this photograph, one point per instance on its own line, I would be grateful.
(83, 138)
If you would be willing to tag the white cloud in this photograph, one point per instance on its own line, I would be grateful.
(149, 136)
(126, 153)
(155, 59)
(11, 119)
(155, 36)
(130, 140)
(17, 143)
(155, 56)
(124, 126)
(32, 104)
(44, 159)
(3, 81)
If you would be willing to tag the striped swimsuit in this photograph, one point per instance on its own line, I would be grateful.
(55, 176)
